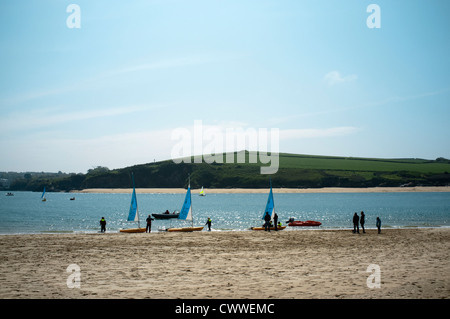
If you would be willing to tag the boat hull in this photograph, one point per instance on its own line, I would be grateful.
(271, 228)
(165, 216)
(305, 223)
(185, 229)
(133, 230)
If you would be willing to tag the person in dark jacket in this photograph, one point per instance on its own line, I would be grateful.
(379, 224)
(103, 225)
(362, 220)
(267, 222)
(356, 223)
(275, 221)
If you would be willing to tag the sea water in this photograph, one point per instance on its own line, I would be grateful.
(26, 213)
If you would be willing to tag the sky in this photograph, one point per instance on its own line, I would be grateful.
(110, 83)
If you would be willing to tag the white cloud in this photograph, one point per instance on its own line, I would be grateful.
(164, 64)
(79, 154)
(101, 76)
(317, 133)
(177, 62)
(53, 152)
(334, 77)
(50, 116)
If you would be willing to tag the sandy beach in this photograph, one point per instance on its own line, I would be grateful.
(276, 190)
(413, 263)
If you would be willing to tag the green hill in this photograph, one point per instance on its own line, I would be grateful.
(295, 171)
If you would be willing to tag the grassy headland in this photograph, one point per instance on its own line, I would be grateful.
(295, 171)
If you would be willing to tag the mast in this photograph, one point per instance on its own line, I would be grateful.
(186, 209)
(189, 186)
(135, 198)
(273, 202)
(270, 205)
(134, 210)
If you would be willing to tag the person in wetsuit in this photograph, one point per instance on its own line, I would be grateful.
(103, 225)
(208, 222)
(362, 220)
(356, 223)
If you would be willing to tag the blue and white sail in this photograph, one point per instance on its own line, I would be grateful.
(133, 215)
(186, 210)
(43, 195)
(270, 206)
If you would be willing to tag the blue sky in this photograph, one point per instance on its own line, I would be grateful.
(112, 92)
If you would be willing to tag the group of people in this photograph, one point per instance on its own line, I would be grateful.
(267, 225)
(149, 223)
(148, 229)
(268, 222)
(362, 220)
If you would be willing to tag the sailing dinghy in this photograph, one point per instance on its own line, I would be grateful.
(186, 214)
(43, 196)
(202, 192)
(133, 215)
(270, 208)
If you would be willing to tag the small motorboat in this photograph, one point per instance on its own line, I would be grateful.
(166, 215)
(292, 222)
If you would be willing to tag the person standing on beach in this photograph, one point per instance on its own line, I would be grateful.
(267, 222)
(149, 224)
(355, 223)
(362, 221)
(275, 221)
(208, 222)
(102, 225)
(379, 224)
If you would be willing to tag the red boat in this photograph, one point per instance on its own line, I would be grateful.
(304, 223)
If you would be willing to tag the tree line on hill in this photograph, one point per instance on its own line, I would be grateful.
(167, 174)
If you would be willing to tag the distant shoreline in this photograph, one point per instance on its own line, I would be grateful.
(416, 189)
